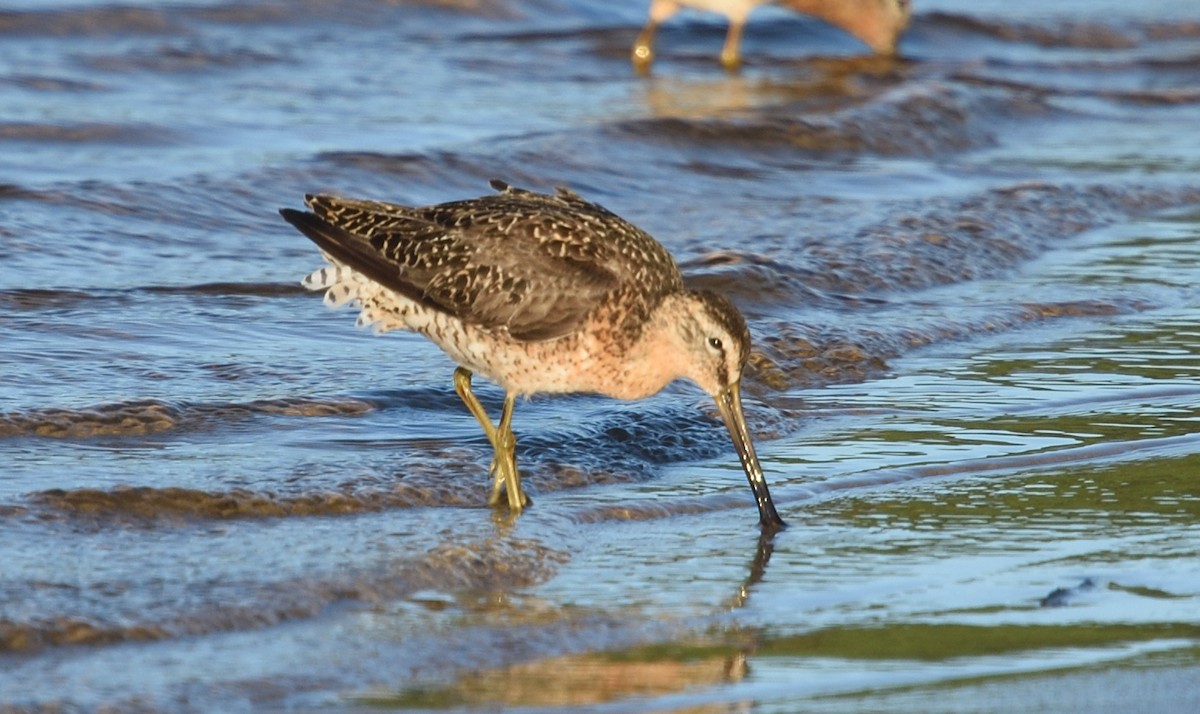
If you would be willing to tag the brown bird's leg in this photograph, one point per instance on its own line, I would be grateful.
(504, 444)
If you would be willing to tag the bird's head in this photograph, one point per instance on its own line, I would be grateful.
(715, 340)
(715, 343)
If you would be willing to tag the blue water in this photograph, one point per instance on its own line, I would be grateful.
(970, 274)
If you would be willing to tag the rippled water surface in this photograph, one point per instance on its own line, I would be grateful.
(971, 274)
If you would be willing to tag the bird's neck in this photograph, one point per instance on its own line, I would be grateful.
(659, 355)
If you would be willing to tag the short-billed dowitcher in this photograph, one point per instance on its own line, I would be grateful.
(538, 293)
(878, 23)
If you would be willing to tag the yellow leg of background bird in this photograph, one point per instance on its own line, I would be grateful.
(643, 48)
(504, 460)
(731, 53)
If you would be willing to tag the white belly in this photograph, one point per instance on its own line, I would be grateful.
(527, 368)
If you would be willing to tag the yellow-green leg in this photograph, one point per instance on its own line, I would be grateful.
(643, 47)
(505, 477)
(731, 53)
(504, 444)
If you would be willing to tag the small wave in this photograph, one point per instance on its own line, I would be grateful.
(913, 120)
(1081, 34)
(85, 21)
(191, 57)
(87, 132)
(614, 448)
(785, 493)
(651, 511)
(454, 566)
(618, 450)
(146, 505)
(150, 416)
(763, 282)
(42, 299)
(1181, 29)
(444, 171)
(84, 198)
(791, 356)
(181, 19)
(90, 508)
(981, 236)
(1075, 456)
(39, 299)
(220, 288)
(43, 83)
(1147, 97)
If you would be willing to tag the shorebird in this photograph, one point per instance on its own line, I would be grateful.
(878, 23)
(540, 294)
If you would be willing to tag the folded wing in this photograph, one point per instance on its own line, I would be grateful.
(516, 261)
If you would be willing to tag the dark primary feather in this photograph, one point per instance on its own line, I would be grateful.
(533, 264)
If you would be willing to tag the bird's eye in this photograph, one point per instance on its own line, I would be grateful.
(715, 343)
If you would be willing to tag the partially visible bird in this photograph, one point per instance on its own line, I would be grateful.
(878, 23)
(538, 293)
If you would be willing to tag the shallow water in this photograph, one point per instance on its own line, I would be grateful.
(970, 274)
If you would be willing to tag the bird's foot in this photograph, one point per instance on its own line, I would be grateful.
(507, 490)
(642, 57)
(506, 481)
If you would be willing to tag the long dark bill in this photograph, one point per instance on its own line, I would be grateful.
(729, 402)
